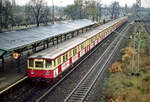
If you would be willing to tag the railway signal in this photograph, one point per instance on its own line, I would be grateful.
(16, 55)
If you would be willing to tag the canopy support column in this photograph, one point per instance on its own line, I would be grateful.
(86, 29)
(77, 32)
(18, 65)
(72, 34)
(57, 39)
(65, 37)
(82, 30)
(3, 61)
(61, 38)
(18, 58)
(53, 41)
(44, 45)
(34, 48)
(47, 43)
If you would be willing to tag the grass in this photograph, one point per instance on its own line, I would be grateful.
(121, 86)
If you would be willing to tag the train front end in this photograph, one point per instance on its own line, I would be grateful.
(40, 69)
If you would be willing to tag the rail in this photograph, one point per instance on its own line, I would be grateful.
(80, 92)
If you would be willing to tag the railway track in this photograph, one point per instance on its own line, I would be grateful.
(84, 88)
(147, 24)
(37, 93)
(80, 92)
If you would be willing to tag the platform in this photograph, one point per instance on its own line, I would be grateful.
(10, 78)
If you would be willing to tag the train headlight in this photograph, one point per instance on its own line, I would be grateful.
(32, 72)
(47, 73)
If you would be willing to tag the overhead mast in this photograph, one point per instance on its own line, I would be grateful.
(137, 32)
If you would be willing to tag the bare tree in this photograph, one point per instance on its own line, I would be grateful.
(126, 9)
(39, 9)
(5, 13)
(91, 10)
(99, 10)
(114, 9)
(75, 11)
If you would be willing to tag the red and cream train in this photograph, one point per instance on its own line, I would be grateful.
(50, 63)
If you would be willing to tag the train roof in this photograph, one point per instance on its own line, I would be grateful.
(59, 49)
(16, 39)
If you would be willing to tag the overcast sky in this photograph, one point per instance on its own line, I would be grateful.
(145, 3)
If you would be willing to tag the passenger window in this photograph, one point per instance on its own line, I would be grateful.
(74, 51)
(82, 46)
(63, 58)
(54, 63)
(66, 57)
(48, 64)
(70, 53)
(59, 60)
(78, 47)
(31, 63)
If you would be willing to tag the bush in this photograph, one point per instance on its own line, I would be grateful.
(116, 67)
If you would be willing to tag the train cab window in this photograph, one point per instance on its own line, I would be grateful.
(48, 64)
(31, 63)
(38, 64)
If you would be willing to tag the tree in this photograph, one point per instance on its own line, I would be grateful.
(91, 10)
(114, 9)
(99, 10)
(75, 11)
(0, 15)
(39, 9)
(5, 13)
(126, 9)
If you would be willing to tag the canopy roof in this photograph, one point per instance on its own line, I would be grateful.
(15, 39)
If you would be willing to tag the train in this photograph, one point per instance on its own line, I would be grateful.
(52, 62)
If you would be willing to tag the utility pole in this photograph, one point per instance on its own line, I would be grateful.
(133, 56)
(137, 32)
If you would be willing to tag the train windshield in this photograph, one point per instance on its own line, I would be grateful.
(31, 62)
(39, 64)
(48, 63)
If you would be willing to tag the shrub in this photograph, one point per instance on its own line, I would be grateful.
(116, 67)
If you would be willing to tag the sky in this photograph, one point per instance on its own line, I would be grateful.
(145, 3)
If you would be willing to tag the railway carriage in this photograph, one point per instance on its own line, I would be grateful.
(50, 63)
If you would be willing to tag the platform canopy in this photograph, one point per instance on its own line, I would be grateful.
(10, 41)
